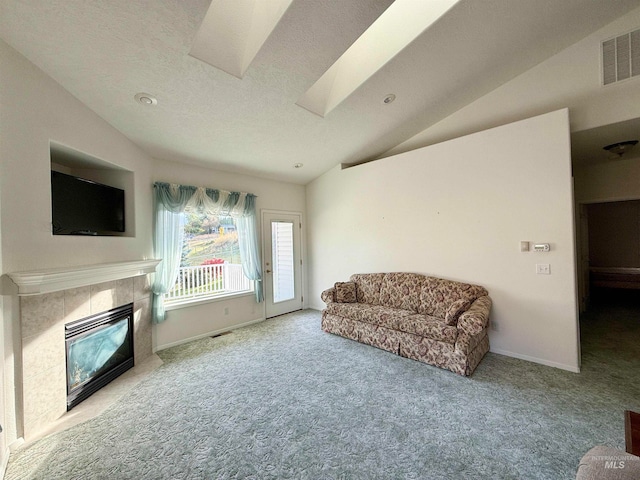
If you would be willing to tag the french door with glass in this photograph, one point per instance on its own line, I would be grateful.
(282, 269)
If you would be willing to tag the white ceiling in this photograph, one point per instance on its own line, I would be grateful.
(104, 52)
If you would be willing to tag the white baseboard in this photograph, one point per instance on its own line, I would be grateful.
(13, 446)
(208, 334)
(542, 361)
(4, 461)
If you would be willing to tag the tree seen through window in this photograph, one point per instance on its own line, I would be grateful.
(208, 238)
(210, 264)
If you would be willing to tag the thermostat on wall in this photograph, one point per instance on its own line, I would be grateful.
(541, 247)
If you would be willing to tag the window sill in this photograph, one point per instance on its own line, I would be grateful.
(191, 302)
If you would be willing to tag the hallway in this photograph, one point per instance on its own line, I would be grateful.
(610, 332)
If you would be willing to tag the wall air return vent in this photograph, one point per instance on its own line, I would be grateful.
(621, 57)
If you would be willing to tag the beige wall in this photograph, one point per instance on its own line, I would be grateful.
(571, 78)
(608, 182)
(459, 210)
(204, 319)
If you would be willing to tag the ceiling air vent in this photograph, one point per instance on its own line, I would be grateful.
(621, 57)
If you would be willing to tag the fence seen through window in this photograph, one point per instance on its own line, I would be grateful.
(210, 264)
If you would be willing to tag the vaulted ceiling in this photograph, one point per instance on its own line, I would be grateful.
(105, 52)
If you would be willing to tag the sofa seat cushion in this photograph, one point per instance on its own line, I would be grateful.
(352, 311)
(428, 327)
(402, 290)
(385, 316)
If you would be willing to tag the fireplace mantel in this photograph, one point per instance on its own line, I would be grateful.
(49, 300)
(37, 282)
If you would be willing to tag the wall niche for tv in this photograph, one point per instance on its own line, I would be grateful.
(90, 196)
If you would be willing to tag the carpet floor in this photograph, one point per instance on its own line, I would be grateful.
(284, 400)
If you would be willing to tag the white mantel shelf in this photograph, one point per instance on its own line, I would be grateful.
(37, 282)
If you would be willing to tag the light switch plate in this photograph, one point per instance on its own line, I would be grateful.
(543, 269)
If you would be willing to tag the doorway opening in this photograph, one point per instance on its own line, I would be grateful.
(609, 279)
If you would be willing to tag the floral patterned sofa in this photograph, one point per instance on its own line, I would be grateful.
(432, 320)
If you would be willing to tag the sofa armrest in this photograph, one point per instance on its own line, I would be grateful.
(329, 295)
(475, 320)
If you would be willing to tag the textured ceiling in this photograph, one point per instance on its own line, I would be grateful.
(104, 52)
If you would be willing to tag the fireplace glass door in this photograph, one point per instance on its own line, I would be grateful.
(99, 349)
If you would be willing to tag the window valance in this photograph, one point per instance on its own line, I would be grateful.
(176, 198)
(171, 200)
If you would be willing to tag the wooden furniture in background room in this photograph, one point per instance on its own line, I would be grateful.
(615, 277)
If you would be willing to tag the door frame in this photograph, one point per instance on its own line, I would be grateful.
(582, 243)
(581, 230)
(301, 246)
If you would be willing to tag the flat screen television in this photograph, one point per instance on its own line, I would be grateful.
(83, 207)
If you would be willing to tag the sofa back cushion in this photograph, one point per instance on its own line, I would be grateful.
(368, 287)
(402, 290)
(438, 296)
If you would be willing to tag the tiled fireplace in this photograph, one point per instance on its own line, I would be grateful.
(43, 318)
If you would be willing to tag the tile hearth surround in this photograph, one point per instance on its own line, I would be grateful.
(43, 346)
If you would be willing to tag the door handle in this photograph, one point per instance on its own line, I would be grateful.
(268, 271)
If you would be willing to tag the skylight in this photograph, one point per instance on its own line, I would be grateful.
(398, 26)
(233, 32)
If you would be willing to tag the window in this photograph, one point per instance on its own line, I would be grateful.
(210, 264)
(283, 262)
(171, 203)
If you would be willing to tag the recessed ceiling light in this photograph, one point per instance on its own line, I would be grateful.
(146, 99)
(389, 98)
(298, 165)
